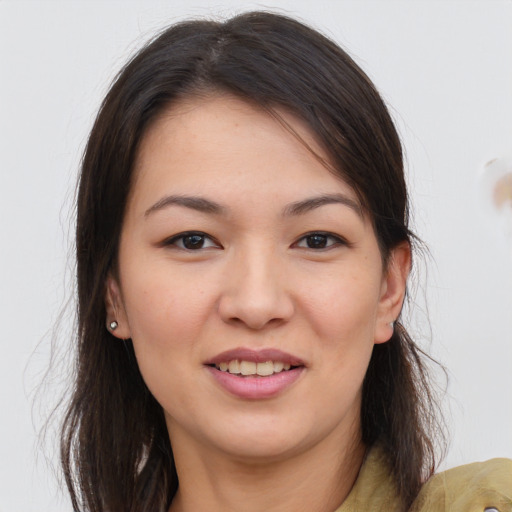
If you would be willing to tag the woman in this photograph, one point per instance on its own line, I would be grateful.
(243, 252)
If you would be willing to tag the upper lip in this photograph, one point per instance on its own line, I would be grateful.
(256, 356)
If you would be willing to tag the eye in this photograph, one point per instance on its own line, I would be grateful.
(192, 241)
(320, 240)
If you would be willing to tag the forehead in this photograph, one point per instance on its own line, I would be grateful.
(201, 142)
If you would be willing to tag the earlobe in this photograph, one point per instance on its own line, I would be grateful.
(116, 320)
(393, 291)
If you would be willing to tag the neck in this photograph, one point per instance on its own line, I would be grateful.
(318, 479)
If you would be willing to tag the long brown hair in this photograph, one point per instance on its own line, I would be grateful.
(115, 448)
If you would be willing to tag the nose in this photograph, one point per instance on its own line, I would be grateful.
(256, 292)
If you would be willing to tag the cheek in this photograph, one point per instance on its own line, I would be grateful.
(166, 313)
(160, 301)
(343, 315)
(343, 307)
(165, 324)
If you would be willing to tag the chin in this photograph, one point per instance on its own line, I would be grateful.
(262, 451)
(264, 441)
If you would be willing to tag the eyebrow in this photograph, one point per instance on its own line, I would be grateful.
(193, 202)
(204, 205)
(306, 205)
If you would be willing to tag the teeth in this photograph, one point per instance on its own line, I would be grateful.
(278, 366)
(265, 369)
(251, 368)
(234, 367)
(247, 367)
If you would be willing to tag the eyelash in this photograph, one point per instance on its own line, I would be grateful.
(174, 240)
(180, 237)
(337, 240)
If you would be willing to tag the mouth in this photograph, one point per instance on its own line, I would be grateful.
(252, 368)
(255, 374)
(248, 362)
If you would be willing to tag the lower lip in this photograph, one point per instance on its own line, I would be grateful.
(255, 387)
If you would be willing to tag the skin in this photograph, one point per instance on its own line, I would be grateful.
(256, 283)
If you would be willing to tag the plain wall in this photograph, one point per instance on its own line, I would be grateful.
(445, 68)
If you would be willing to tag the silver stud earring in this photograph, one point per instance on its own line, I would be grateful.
(113, 325)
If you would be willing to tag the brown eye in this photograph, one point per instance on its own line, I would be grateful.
(317, 241)
(192, 241)
(320, 241)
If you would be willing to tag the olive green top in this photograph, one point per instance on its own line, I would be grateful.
(470, 488)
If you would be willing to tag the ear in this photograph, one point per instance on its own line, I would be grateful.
(115, 310)
(392, 291)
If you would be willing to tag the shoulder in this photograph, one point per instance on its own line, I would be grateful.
(469, 488)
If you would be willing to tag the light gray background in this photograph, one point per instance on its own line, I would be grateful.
(445, 67)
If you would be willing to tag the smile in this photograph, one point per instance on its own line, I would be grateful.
(255, 374)
(247, 368)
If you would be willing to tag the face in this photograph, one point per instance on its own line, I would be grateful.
(250, 281)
